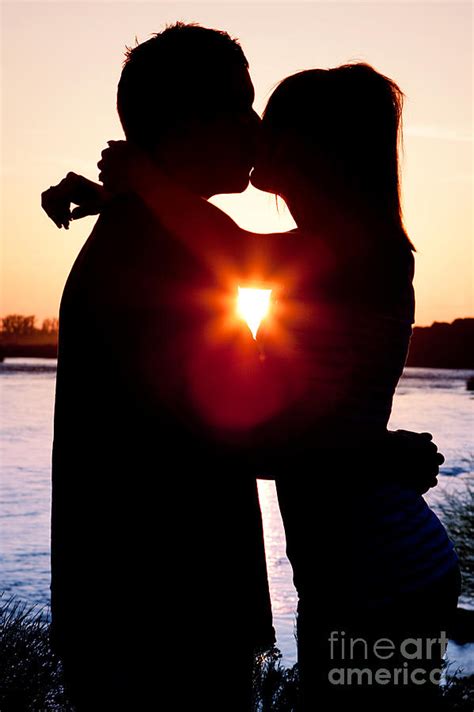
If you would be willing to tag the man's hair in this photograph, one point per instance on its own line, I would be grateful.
(175, 76)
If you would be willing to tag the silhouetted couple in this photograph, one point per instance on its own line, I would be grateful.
(166, 412)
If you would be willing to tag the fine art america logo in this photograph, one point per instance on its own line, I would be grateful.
(404, 662)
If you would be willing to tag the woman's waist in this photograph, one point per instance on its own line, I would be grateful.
(390, 508)
(385, 540)
(372, 516)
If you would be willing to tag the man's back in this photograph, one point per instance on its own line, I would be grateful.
(143, 489)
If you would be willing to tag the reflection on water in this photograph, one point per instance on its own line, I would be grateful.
(426, 399)
(282, 591)
(27, 398)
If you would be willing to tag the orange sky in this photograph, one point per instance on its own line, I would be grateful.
(61, 62)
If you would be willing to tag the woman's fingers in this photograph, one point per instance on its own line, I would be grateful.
(106, 167)
(74, 188)
(56, 205)
(113, 166)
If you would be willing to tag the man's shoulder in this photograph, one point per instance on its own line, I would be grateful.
(125, 206)
(125, 221)
(125, 232)
(116, 253)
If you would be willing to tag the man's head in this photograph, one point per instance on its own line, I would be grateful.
(185, 96)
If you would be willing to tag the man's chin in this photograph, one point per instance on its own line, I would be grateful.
(238, 185)
(257, 181)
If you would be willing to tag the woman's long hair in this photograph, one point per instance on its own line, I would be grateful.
(341, 131)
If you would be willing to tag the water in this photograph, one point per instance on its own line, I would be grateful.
(27, 400)
(426, 399)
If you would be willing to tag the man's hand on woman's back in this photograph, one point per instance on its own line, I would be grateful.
(413, 459)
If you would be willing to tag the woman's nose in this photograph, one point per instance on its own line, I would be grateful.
(252, 119)
(256, 119)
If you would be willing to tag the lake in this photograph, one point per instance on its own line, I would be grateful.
(426, 400)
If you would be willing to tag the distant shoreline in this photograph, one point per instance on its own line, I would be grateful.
(440, 345)
(14, 350)
(443, 345)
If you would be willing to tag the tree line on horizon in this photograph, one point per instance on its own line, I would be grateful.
(443, 345)
(19, 325)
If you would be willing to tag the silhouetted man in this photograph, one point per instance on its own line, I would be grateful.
(158, 571)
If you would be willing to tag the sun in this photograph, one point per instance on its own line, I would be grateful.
(252, 306)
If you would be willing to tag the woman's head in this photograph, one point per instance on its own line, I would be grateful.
(334, 134)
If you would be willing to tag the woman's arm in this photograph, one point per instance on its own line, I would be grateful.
(203, 227)
(90, 198)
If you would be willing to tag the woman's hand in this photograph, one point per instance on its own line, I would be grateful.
(124, 168)
(90, 198)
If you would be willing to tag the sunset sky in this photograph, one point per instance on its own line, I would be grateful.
(61, 62)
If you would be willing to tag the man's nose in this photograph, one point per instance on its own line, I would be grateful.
(250, 132)
(253, 126)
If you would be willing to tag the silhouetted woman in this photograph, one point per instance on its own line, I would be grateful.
(370, 558)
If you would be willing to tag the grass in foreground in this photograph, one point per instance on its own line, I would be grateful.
(457, 514)
(31, 676)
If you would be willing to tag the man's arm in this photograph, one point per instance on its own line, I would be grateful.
(402, 456)
(413, 459)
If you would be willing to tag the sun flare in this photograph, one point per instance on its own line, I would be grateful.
(253, 306)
